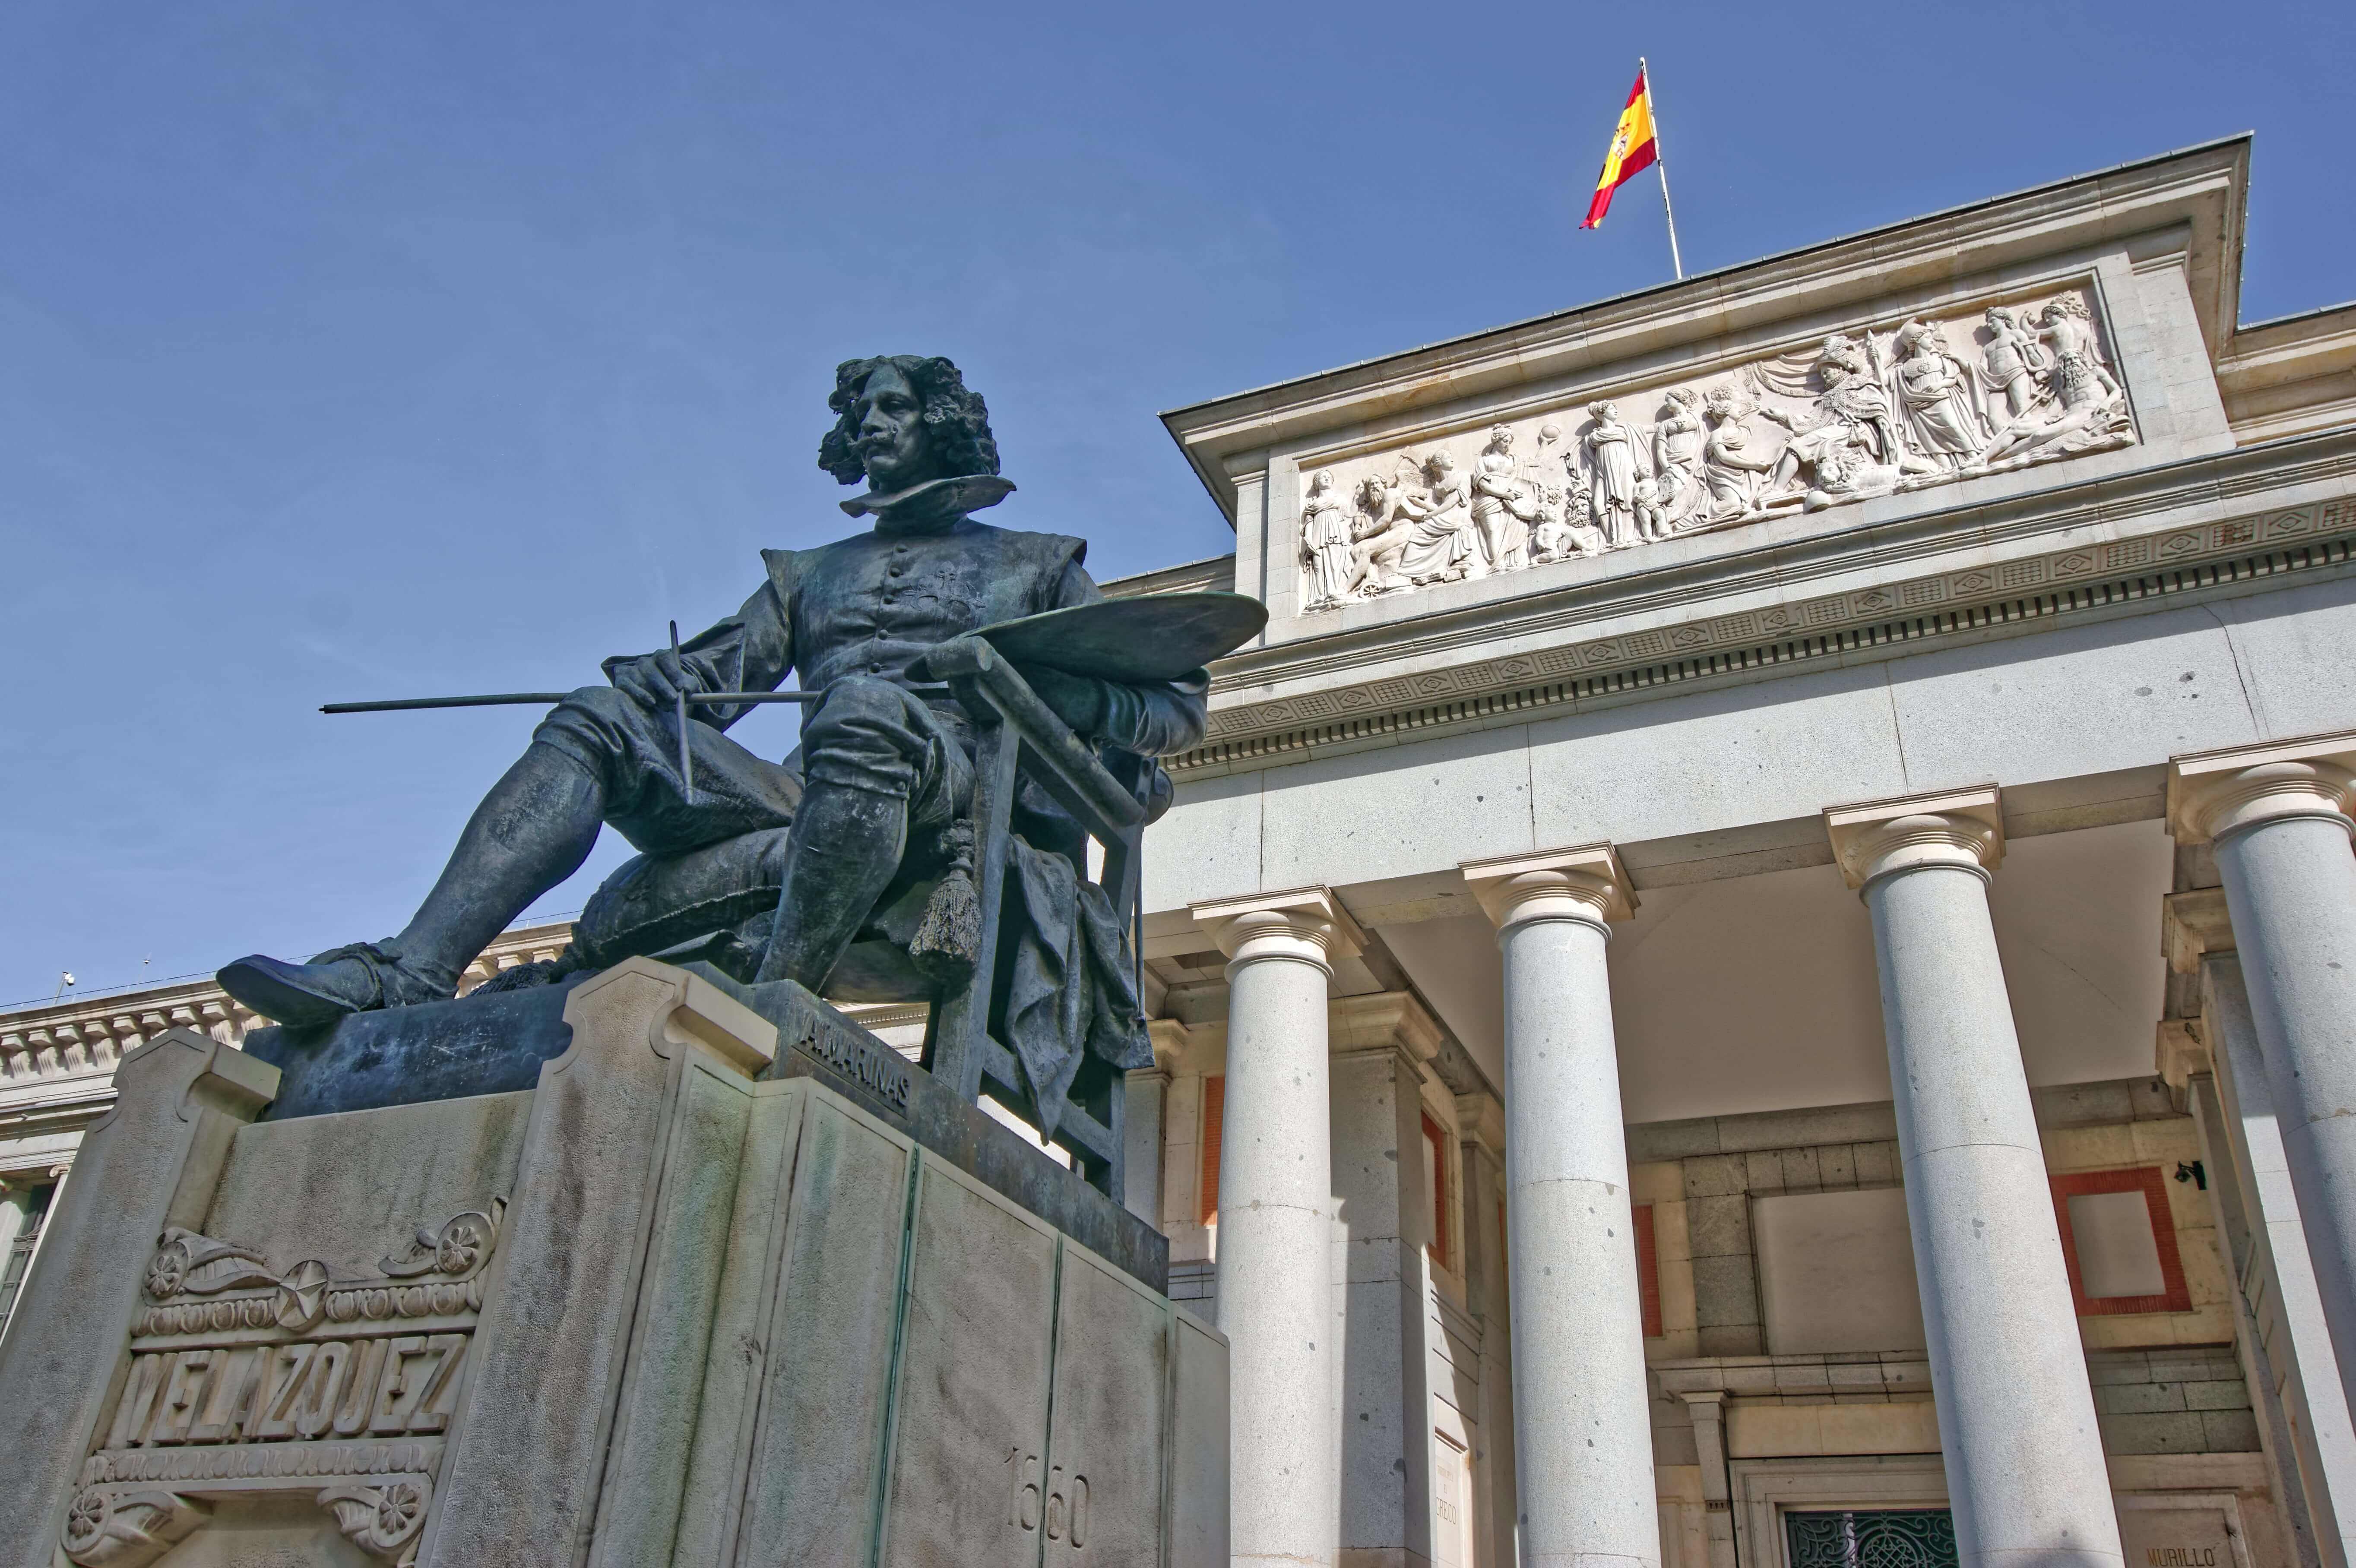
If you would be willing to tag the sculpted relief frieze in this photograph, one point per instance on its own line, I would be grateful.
(1873, 412)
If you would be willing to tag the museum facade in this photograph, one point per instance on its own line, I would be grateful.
(1757, 969)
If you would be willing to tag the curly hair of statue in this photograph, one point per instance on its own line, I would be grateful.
(959, 418)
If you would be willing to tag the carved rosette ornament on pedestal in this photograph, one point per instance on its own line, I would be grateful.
(1923, 402)
(248, 1381)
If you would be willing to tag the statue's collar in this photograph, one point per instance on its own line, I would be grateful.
(935, 504)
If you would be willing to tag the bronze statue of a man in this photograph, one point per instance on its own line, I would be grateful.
(840, 838)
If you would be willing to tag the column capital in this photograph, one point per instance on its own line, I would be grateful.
(1584, 882)
(1308, 925)
(2212, 794)
(1961, 828)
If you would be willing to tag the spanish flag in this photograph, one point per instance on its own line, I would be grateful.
(1633, 150)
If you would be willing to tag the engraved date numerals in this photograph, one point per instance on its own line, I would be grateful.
(1057, 1502)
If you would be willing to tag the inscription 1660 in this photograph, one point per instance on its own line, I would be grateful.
(1059, 1505)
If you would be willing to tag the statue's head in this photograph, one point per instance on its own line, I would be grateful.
(1321, 482)
(1684, 399)
(1500, 438)
(2000, 320)
(1602, 414)
(901, 420)
(2065, 308)
(1842, 358)
(1914, 337)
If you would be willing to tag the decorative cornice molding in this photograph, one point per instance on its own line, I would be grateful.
(1391, 1020)
(2214, 794)
(1481, 1119)
(2086, 578)
(1584, 882)
(2191, 926)
(1956, 828)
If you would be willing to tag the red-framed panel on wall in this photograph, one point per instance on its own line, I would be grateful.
(1648, 1270)
(2119, 1252)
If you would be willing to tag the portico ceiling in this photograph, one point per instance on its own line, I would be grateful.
(1758, 993)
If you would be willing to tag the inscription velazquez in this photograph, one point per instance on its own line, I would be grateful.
(404, 1384)
(874, 1066)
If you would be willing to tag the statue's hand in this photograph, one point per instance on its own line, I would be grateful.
(1077, 699)
(655, 680)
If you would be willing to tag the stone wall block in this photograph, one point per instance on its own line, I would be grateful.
(1198, 1448)
(969, 1431)
(822, 1337)
(544, 1400)
(153, 1160)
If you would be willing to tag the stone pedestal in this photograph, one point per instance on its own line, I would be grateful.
(657, 1308)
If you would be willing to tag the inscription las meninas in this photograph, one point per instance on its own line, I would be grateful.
(874, 1067)
(1927, 404)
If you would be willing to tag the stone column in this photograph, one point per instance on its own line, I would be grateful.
(2025, 1474)
(1584, 1438)
(1276, 1223)
(2284, 1341)
(2279, 816)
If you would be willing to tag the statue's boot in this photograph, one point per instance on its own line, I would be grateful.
(845, 850)
(531, 831)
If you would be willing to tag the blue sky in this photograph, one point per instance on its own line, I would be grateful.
(356, 351)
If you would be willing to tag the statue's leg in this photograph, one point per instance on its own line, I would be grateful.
(597, 754)
(876, 758)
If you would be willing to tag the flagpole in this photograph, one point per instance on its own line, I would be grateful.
(1660, 162)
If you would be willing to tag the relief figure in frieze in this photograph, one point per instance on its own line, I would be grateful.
(1613, 469)
(1379, 535)
(2093, 405)
(1440, 545)
(1567, 529)
(1841, 451)
(1733, 472)
(1326, 540)
(1939, 399)
(1677, 442)
(2013, 364)
(1503, 508)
